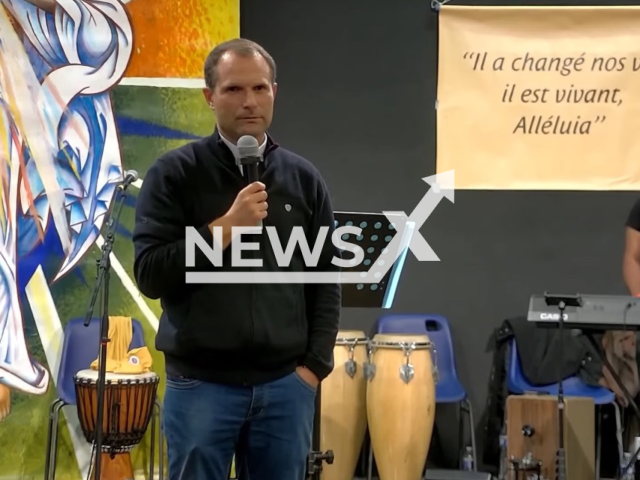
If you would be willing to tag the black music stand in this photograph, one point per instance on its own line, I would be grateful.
(377, 240)
(561, 301)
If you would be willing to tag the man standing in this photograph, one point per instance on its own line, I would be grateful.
(631, 259)
(243, 360)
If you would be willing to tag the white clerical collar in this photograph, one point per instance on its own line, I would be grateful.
(234, 148)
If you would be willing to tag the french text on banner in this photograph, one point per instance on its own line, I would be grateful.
(539, 98)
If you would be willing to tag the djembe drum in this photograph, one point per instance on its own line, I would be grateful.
(343, 414)
(128, 405)
(401, 404)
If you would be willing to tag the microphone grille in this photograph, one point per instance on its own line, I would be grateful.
(248, 146)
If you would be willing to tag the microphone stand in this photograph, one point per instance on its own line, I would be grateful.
(316, 456)
(102, 280)
(561, 301)
(561, 456)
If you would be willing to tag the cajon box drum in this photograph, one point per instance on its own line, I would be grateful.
(128, 406)
(343, 410)
(541, 413)
(401, 404)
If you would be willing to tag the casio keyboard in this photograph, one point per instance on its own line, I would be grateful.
(593, 312)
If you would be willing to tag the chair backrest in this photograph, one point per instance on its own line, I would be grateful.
(433, 325)
(80, 348)
(515, 376)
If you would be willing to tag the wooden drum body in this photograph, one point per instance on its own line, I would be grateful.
(128, 405)
(401, 404)
(343, 413)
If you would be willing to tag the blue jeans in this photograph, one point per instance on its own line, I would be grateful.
(269, 428)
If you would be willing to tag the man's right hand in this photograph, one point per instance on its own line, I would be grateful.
(249, 207)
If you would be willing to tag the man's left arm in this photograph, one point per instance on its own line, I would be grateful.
(323, 300)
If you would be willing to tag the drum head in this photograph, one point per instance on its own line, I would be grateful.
(92, 375)
(349, 336)
(380, 339)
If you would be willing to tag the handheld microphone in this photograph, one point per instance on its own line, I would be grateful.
(130, 176)
(250, 159)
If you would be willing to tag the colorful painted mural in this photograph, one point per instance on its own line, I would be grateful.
(88, 90)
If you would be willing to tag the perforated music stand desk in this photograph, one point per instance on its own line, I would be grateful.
(377, 235)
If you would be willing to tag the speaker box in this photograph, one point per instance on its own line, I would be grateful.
(540, 412)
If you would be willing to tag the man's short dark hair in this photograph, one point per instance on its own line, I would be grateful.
(239, 46)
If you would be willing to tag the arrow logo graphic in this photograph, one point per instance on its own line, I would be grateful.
(408, 231)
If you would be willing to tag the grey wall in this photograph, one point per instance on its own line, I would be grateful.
(357, 86)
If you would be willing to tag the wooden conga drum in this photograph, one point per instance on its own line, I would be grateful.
(343, 414)
(128, 406)
(401, 404)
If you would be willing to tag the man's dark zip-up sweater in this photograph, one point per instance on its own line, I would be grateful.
(235, 333)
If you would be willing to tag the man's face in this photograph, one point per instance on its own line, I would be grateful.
(243, 96)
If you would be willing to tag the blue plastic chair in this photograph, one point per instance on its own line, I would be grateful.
(572, 386)
(79, 349)
(449, 389)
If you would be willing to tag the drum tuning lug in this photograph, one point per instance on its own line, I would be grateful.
(351, 368)
(406, 372)
(369, 370)
(434, 367)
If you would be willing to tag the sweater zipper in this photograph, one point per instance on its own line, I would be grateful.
(253, 286)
